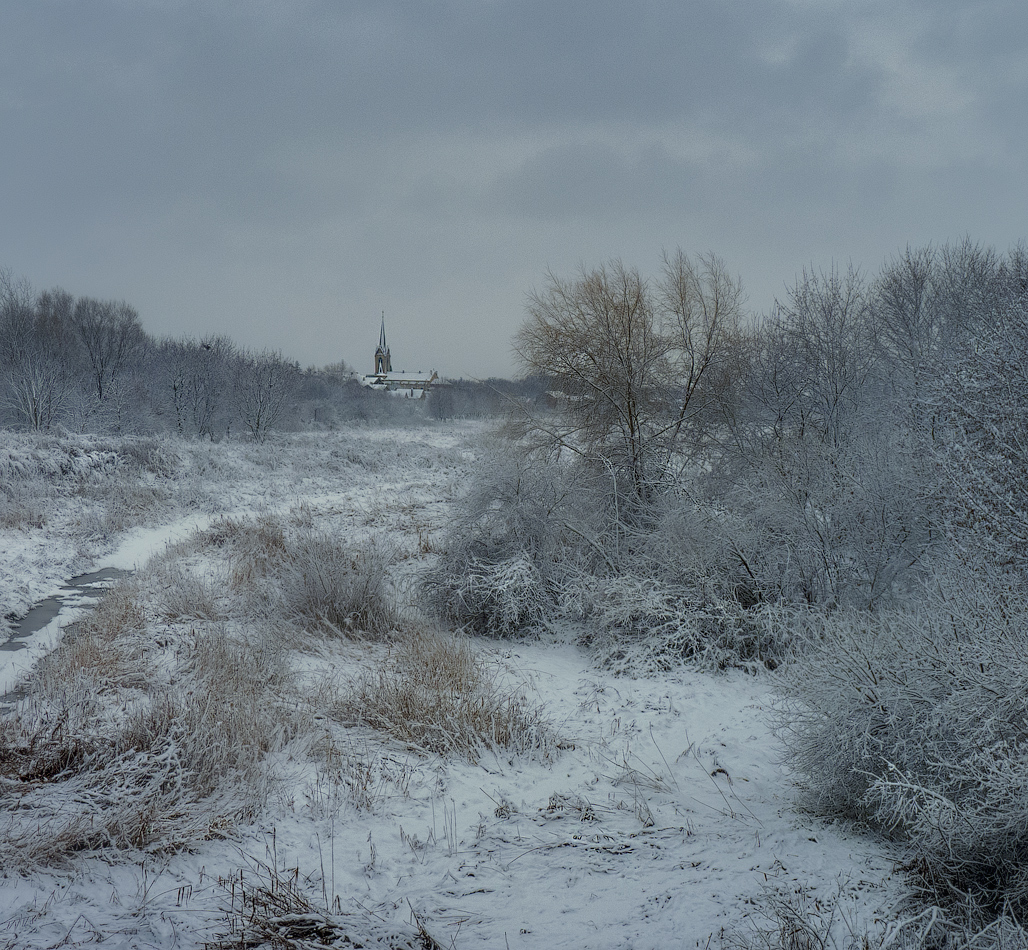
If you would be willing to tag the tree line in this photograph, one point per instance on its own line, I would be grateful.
(831, 446)
(88, 365)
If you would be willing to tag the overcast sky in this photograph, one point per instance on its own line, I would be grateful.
(282, 171)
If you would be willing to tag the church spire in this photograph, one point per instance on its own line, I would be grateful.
(383, 362)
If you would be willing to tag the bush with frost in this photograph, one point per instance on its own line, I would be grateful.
(506, 551)
(639, 625)
(917, 723)
(500, 598)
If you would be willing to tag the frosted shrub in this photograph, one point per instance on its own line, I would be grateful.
(918, 724)
(699, 545)
(496, 599)
(641, 625)
(505, 552)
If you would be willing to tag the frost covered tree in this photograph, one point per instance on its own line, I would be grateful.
(196, 381)
(113, 340)
(984, 394)
(262, 384)
(822, 478)
(40, 356)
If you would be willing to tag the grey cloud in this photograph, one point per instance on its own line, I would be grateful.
(249, 160)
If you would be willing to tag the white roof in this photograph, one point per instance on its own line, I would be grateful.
(398, 379)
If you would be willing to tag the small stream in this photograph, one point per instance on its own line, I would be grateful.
(84, 590)
(80, 591)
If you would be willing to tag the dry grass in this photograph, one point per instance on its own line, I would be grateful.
(325, 584)
(436, 694)
(111, 749)
(287, 570)
(256, 548)
(183, 595)
(288, 910)
(106, 645)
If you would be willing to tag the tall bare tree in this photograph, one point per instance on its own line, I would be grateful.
(39, 353)
(635, 366)
(112, 337)
(263, 382)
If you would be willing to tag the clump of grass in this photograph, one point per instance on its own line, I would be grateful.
(310, 579)
(253, 547)
(435, 694)
(288, 910)
(325, 584)
(182, 595)
(111, 749)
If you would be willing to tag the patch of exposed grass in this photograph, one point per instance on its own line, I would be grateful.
(111, 749)
(288, 910)
(435, 694)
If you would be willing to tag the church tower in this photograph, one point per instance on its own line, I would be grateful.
(383, 363)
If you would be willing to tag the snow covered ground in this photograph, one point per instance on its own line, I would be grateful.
(659, 815)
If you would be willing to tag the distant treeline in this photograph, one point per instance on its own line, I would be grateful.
(88, 365)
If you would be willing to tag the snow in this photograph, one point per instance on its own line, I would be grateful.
(138, 545)
(661, 821)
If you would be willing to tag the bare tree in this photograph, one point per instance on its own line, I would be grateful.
(112, 337)
(985, 451)
(38, 353)
(633, 366)
(17, 317)
(262, 384)
(197, 378)
(700, 307)
(835, 509)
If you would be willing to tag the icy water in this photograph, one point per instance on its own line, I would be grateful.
(83, 591)
(80, 591)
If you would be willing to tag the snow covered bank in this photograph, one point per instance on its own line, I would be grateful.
(658, 817)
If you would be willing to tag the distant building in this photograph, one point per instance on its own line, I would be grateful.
(402, 383)
(383, 362)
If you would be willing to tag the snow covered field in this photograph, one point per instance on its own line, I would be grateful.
(651, 813)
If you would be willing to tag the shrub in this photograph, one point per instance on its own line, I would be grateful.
(917, 723)
(640, 625)
(507, 550)
(498, 599)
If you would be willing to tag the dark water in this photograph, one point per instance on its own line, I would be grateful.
(79, 591)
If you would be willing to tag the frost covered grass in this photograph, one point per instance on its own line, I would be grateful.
(436, 693)
(127, 740)
(288, 910)
(328, 584)
(67, 501)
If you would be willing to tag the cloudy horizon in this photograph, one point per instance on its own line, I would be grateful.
(285, 172)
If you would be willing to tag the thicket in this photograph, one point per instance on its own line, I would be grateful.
(835, 489)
